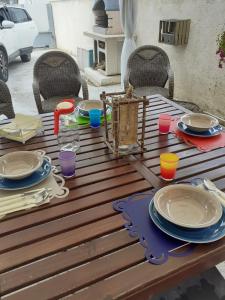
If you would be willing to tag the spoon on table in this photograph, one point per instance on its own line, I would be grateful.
(36, 199)
(210, 186)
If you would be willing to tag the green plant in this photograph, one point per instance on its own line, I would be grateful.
(221, 49)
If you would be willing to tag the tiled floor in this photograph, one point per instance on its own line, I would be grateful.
(20, 85)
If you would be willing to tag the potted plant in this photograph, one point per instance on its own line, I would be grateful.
(221, 49)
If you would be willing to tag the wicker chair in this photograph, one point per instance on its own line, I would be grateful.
(6, 107)
(56, 77)
(148, 69)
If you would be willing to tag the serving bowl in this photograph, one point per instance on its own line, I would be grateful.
(85, 106)
(199, 122)
(188, 206)
(20, 164)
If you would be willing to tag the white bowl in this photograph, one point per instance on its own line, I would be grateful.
(20, 164)
(199, 122)
(188, 206)
(85, 106)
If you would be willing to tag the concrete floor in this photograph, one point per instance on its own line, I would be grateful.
(20, 85)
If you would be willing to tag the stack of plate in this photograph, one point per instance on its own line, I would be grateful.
(23, 169)
(188, 213)
(200, 125)
(85, 106)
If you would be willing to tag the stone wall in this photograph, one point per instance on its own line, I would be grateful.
(197, 76)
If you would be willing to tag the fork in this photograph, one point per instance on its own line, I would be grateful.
(36, 199)
(13, 198)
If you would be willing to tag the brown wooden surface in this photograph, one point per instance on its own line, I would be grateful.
(77, 247)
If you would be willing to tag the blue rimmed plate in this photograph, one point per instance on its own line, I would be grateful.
(38, 176)
(207, 134)
(198, 236)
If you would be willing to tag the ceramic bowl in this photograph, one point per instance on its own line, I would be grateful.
(20, 164)
(188, 206)
(86, 105)
(199, 122)
(206, 134)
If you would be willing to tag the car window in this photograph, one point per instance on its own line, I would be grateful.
(3, 16)
(19, 15)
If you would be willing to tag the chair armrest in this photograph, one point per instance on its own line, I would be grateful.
(37, 96)
(84, 88)
(171, 83)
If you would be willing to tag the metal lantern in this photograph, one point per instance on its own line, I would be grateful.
(121, 136)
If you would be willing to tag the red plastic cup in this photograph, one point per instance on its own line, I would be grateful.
(164, 123)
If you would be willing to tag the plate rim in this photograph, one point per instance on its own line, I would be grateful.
(198, 134)
(28, 186)
(87, 111)
(166, 231)
(200, 114)
(166, 217)
(108, 111)
(34, 153)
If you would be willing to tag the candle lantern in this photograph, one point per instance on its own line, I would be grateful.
(126, 133)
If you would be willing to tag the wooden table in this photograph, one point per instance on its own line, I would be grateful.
(77, 248)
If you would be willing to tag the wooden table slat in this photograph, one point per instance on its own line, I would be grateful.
(146, 277)
(40, 216)
(76, 247)
(62, 261)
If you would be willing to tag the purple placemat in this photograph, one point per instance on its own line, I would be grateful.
(158, 245)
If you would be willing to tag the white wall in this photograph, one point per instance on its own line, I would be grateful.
(197, 76)
(38, 11)
(72, 18)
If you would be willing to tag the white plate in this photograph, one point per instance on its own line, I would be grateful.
(187, 206)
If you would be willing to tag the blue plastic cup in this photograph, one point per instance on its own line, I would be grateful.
(95, 118)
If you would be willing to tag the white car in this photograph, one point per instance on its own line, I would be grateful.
(17, 34)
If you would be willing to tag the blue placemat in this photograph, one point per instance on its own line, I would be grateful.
(158, 246)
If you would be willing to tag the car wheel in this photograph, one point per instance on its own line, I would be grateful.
(4, 73)
(25, 57)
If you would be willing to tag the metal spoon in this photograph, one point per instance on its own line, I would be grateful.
(39, 198)
(36, 199)
(15, 197)
(210, 186)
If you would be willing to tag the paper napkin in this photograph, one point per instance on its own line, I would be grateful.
(22, 128)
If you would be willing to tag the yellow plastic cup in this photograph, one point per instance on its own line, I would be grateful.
(168, 165)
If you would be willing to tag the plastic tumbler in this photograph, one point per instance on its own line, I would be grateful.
(67, 160)
(95, 118)
(168, 165)
(164, 123)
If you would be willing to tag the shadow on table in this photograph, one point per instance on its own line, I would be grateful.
(210, 285)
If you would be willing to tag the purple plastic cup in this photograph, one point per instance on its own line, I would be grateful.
(67, 161)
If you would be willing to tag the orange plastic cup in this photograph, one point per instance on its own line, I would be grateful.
(168, 165)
